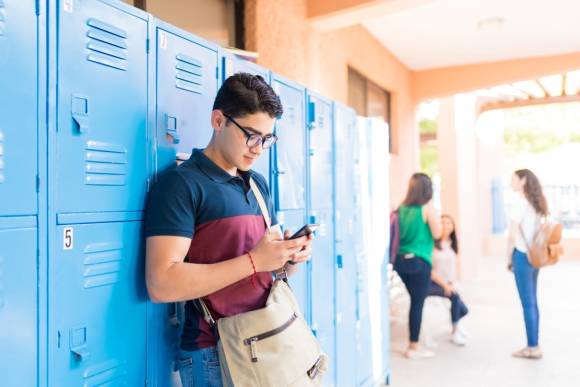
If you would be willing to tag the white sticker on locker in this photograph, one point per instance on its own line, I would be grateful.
(68, 5)
(162, 40)
(229, 67)
(68, 238)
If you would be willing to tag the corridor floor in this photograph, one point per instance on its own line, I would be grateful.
(496, 328)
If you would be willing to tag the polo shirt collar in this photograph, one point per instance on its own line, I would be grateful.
(213, 171)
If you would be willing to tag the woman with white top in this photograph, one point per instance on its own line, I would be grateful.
(443, 276)
(527, 210)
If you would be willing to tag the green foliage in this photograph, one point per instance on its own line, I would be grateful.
(534, 141)
(429, 159)
(427, 126)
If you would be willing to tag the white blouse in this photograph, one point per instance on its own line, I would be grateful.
(444, 262)
(522, 213)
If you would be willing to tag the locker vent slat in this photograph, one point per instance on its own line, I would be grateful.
(107, 45)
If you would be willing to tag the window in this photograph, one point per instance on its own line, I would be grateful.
(369, 100)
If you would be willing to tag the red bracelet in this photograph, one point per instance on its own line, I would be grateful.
(253, 279)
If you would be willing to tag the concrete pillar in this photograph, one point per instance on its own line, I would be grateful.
(459, 176)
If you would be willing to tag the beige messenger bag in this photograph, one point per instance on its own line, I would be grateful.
(272, 346)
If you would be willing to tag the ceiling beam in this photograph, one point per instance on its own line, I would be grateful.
(563, 85)
(546, 94)
(326, 15)
(528, 102)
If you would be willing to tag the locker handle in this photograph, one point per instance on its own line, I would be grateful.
(80, 112)
(78, 343)
(81, 353)
(339, 261)
(171, 129)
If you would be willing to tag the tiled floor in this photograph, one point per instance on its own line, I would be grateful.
(496, 329)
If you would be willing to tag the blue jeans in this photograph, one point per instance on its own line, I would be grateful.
(527, 282)
(458, 308)
(200, 368)
(416, 275)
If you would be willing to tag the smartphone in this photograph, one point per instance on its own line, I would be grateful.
(307, 229)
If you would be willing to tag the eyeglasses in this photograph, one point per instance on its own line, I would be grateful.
(253, 139)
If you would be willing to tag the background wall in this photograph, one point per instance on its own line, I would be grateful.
(286, 42)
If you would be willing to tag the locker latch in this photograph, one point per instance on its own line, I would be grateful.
(78, 343)
(171, 129)
(80, 112)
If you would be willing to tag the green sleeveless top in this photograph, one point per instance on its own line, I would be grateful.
(415, 234)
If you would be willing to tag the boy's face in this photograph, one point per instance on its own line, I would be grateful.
(232, 140)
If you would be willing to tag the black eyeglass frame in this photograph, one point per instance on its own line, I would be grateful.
(249, 136)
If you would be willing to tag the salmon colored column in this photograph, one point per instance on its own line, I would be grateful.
(459, 176)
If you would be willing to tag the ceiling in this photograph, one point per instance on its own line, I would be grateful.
(442, 33)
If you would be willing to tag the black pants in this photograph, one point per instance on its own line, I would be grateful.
(416, 275)
(458, 308)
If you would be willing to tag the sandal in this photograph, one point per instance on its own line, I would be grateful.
(528, 353)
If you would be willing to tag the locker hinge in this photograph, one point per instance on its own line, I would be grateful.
(37, 183)
(217, 74)
(37, 7)
(147, 45)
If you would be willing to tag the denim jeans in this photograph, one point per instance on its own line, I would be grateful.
(416, 275)
(458, 308)
(200, 368)
(527, 282)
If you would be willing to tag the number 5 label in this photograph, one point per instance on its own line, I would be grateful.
(67, 242)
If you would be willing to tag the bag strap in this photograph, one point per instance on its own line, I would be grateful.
(261, 203)
(524, 237)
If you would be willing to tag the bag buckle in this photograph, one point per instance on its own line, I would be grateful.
(313, 372)
(281, 275)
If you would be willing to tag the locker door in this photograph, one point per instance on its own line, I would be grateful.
(321, 211)
(98, 306)
(18, 107)
(290, 172)
(232, 65)
(18, 305)
(345, 253)
(363, 247)
(187, 78)
(290, 163)
(378, 141)
(102, 108)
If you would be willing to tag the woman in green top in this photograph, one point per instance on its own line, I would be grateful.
(419, 226)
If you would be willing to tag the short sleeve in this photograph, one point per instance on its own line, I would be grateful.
(171, 207)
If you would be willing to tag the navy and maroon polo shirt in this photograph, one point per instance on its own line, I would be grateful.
(199, 200)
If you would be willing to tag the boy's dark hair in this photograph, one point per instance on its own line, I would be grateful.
(244, 93)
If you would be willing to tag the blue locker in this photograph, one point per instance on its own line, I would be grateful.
(362, 245)
(378, 150)
(320, 209)
(97, 296)
(100, 162)
(231, 64)
(18, 107)
(289, 171)
(186, 85)
(18, 301)
(186, 82)
(344, 163)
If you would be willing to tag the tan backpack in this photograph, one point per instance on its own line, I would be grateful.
(546, 247)
(272, 346)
